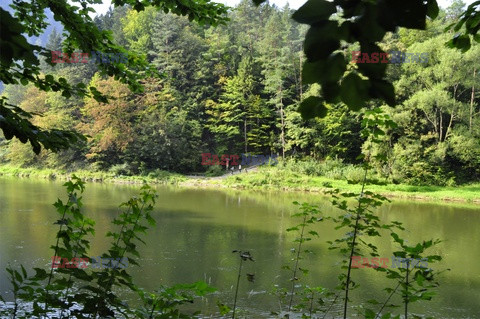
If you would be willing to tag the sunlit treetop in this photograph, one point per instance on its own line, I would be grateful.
(334, 25)
(20, 63)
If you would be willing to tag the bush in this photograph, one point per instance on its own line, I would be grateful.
(158, 174)
(121, 169)
(327, 184)
(331, 165)
(421, 173)
(354, 174)
(312, 167)
(336, 173)
(215, 170)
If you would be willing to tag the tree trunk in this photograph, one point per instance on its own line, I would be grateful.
(452, 117)
(283, 124)
(447, 132)
(301, 89)
(245, 133)
(166, 59)
(471, 100)
(440, 126)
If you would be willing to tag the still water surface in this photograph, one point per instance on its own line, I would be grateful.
(197, 230)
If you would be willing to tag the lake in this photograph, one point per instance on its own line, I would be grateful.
(197, 229)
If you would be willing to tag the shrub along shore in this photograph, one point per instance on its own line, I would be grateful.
(262, 178)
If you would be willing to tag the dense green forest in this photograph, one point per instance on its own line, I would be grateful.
(311, 88)
(236, 88)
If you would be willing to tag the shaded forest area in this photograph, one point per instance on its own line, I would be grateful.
(236, 89)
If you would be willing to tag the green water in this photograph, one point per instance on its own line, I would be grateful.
(197, 230)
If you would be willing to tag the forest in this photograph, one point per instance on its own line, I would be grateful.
(236, 89)
(373, 104)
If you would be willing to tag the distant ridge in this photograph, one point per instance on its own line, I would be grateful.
(43, 38)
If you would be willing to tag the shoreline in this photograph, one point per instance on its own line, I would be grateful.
(261, 180)
(416, 196)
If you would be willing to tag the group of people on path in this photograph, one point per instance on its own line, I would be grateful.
(232, 168)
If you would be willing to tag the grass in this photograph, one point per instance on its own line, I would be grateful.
(263, 178)
(154, 177)
(275, 179)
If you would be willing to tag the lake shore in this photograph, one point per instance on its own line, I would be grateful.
(260, 179)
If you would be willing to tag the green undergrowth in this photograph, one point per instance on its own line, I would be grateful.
(152, 177)
(263, 178)
(275, 179)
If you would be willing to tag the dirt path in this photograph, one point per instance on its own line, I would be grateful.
(235, 172)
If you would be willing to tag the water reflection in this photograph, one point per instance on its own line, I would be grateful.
(197, 230)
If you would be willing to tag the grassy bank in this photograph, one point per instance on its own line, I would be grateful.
(274, 178)
(263, 178)
(155, 177)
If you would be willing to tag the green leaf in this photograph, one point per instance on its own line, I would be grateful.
(369, 314)
(312, 72)
(24, 272)
(40, 274)
(461, 42)
(49, 78)
(459, 25)
(432, 9)
(373, 70)
(428, 295)
(304, 271)
(18, 277)
(202, 288)
(419, 279)
(331, 92)
(354, 91)
(321, 41)
(369, 26)
(335, 67)
(314, 11)
(311, 107)
(397, 238)
(472, 23)
(224, 309)
(407, 13)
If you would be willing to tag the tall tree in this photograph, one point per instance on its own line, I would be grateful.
(20, 64)
(109, 124)
(278, 58)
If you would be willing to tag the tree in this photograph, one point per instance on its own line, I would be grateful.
(437, 106)
(469, 19)
(19, 64)
(455, 10)
(240, 113)
(278, 58)
(109, 124)
(165, 138)
(112, 20)
(355, 21)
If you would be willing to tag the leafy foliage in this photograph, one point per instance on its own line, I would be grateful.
(14, 122)
(236, 88)
(77, 291)
(244, 256)
(357, 21)
(470, 18)
(309, 216)
(20, 64)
